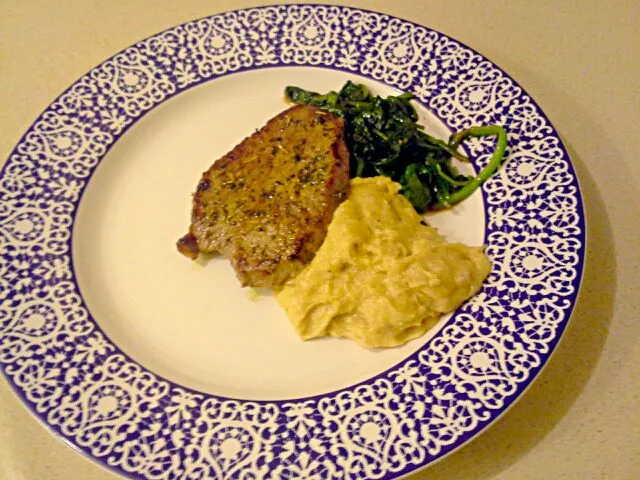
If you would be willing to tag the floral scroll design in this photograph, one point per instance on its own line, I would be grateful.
(82, 386)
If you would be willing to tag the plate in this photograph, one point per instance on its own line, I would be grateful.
(159, 368)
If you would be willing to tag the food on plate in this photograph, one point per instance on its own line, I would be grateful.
(384, 138)
(382, 277)
(346, 258)
(266, 204)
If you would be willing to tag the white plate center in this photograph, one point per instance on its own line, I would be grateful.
(195, 325)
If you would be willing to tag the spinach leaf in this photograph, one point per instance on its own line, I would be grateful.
(384, 138)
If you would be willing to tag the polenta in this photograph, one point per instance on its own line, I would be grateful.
(381, 277)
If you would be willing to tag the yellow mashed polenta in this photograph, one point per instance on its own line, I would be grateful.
(381, 278)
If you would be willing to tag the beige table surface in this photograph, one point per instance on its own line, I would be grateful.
(581, 419)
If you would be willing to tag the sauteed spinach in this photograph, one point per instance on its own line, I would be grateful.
(384, 138)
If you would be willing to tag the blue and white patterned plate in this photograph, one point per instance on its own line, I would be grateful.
(101, 338)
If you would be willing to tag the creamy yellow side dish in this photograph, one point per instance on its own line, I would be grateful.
(381, 277)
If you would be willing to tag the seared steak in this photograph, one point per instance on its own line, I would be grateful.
(267, 203)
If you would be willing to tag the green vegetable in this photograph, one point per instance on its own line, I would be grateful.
(384, 138)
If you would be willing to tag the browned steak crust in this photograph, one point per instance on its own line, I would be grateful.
(266, 204)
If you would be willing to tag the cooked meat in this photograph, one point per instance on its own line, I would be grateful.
(266, 204)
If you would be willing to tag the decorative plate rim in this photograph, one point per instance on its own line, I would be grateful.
(379, 427)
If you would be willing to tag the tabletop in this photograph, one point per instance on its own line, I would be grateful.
(579, 61)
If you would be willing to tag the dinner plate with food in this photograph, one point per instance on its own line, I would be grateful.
(295, 241)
